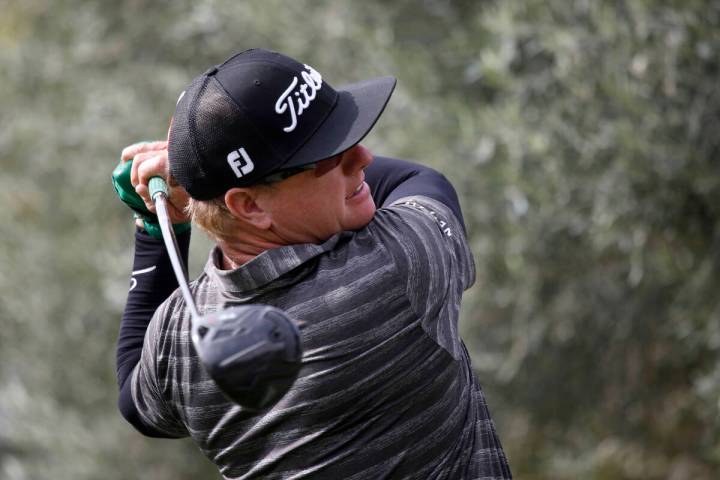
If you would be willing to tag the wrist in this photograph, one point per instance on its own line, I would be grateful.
(150, 226)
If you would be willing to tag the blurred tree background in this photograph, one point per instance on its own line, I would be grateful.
(583, 137)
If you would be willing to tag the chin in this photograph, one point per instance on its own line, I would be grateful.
(362, 217)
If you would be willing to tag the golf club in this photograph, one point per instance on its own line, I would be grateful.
(252, 352)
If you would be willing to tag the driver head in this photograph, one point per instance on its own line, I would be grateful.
(252, 352)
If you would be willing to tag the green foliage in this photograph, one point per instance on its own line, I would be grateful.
(581, 136)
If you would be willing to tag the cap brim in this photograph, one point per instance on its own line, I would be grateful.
(358, 107)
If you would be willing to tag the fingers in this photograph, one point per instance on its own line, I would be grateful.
(150, 159)
(145, 166)
(139, 153)
(129, 152)
(148, 165)
(144, 193)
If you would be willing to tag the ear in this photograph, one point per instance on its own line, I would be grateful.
(243, 205)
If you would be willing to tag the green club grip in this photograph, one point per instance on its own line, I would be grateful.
(157, 185)
(126, 193)
(125, 190)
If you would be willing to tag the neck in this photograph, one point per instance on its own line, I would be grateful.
(237, 251)
(231, 261)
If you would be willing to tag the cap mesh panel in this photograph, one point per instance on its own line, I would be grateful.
(203, 141)
(185, 165)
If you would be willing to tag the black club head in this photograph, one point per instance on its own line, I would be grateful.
(252, 352)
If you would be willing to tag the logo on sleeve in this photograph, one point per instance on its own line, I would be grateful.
(133, 280)
(444, 226)
(240, 162)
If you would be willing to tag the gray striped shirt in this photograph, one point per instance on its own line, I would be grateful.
(386, 389)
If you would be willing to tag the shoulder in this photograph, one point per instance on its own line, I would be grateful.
(422, 233)
(428, 211)
(418, 219)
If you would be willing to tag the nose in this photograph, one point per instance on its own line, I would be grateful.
(355, 159)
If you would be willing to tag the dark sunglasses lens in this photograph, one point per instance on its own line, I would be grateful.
(324, 166)
(321, 168)
(281, 175)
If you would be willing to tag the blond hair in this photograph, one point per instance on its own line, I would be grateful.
(215, 218)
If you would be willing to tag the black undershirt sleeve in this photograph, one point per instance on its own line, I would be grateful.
(391, 179)
(151, 283)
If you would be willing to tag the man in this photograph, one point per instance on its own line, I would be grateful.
(269, 155)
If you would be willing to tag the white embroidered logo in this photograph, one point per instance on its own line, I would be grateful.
(446, 230)
(305, 94)
(240, 162)
(133, 280)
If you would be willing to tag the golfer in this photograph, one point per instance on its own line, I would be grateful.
(367, 254)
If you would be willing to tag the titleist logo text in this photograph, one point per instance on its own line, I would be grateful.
(296, 100)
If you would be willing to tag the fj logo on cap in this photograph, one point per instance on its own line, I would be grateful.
(240, 162)
(304, 94)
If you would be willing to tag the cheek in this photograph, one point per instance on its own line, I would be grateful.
(328, 191)
(360, 215)
(314, 206)
(316, 203)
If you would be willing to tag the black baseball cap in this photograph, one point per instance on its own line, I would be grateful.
(261, 112)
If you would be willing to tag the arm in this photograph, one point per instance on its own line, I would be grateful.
(151, 283)
(391, 179)
(152, 278)
(433, 261)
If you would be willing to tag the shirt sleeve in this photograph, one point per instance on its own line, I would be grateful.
(151, 394)
(391, 179)
(428, 244)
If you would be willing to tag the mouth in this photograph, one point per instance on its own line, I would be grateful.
(357, 190)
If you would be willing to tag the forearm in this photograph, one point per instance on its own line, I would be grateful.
(152, 282)
(391, 179)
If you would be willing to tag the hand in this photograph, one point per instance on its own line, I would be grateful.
(150, 159)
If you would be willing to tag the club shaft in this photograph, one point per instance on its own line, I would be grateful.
(171, 245)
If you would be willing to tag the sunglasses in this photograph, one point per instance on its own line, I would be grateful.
(320, 168)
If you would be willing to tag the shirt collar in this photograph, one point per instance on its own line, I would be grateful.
(266, 267)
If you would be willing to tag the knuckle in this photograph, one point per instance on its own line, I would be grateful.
(140, 156)
(128, 153)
